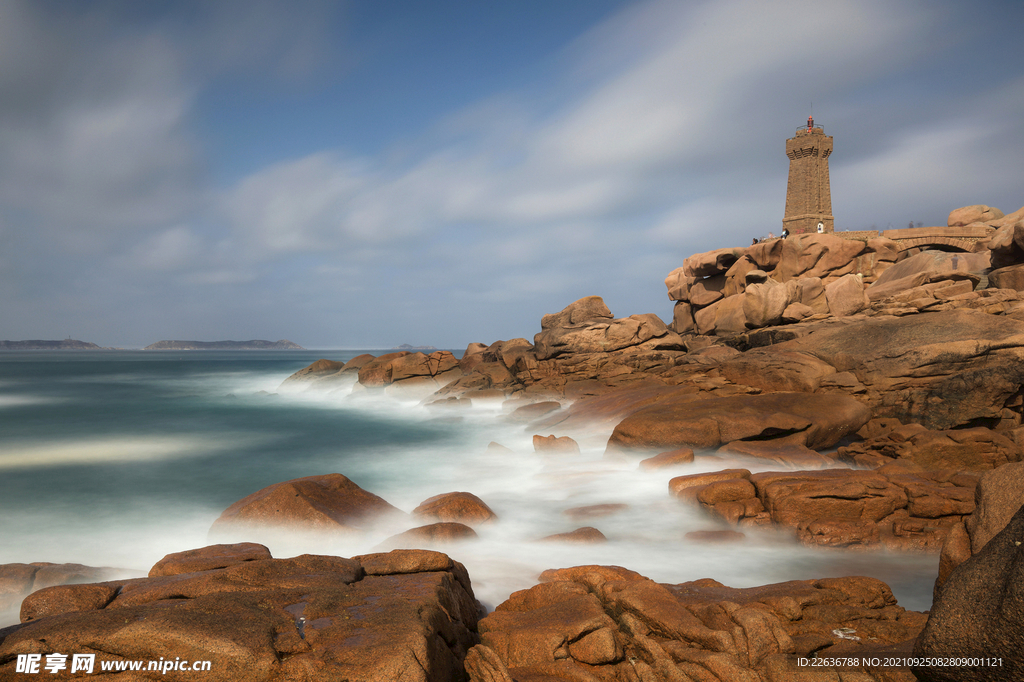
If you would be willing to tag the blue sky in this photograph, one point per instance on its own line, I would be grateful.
(366, 174)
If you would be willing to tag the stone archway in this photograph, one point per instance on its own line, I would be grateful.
(959, 244)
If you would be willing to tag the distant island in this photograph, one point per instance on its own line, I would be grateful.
(257, 344)
(406, 346)
(63, 344)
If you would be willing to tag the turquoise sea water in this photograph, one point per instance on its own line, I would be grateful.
(115, 458)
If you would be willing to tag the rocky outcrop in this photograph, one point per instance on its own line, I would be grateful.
(329, 503)
(404, 615)
(942, 370)
(326, 374)
(706, 288)
(586, 326)
(405, 374)
(580, 351)
(684, 420)
(893, 507)
(609, 623)
(976, 448)
(977, 614)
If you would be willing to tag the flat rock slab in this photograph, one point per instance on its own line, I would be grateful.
(891, 507)
(409, 615)
(813, 420)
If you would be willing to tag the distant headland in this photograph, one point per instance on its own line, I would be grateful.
(63, 344)
(257, 344)
(406, 346)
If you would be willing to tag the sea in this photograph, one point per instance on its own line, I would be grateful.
(117, 458)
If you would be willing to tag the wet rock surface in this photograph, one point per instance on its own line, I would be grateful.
(893, 507)
(609, 623)
(404, 615)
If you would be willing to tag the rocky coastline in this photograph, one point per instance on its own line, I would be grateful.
(878, 391)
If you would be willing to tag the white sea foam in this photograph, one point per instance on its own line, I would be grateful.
(530, 492)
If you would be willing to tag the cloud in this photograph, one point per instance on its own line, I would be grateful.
(94, 139)
(650, 133)
(656, 134)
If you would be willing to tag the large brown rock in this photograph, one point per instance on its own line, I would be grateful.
(586, 326)
(803, 499)
(723, 317)
(711, 263)
(897, 508)
(708, 290)
(817, 421)
(328, 503)
(941, 370)
(978, 213)
(817, 255)
(411, 375)
(587, 309)
(764, 303)
(1009, 277)
(377, 372)
(407, 615)
(682, 318)
(678, 285)
(314, 373)
(976, 449)
(459, 507)
(606, 623)
(978, 613)
(773, 370)
(845, 296)
(1007, 244)
(209, 558)
(808, 291)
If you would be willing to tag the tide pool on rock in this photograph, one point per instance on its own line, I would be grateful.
(117, 458)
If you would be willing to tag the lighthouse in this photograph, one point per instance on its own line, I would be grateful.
(808, 196)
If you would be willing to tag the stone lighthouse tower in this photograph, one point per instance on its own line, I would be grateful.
(808, 197)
